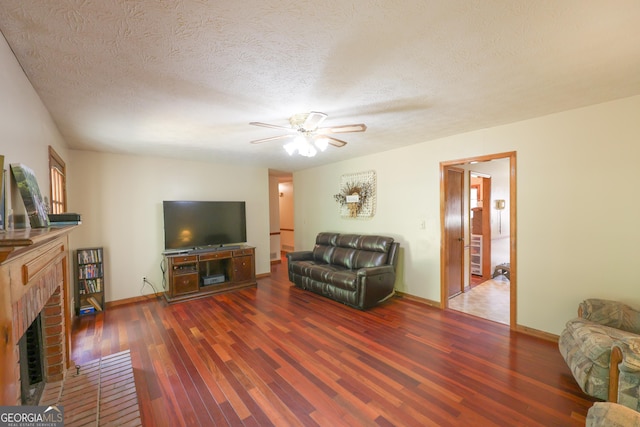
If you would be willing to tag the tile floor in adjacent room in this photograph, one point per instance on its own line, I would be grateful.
(489, 300)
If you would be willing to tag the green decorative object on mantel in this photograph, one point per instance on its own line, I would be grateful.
(357, 195)
(30, 192)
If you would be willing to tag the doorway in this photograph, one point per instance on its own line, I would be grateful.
(281, 217)
(479, 214)
(487, 242)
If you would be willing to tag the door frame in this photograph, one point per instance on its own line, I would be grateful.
(444, 291)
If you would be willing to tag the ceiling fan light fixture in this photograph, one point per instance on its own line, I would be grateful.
(321, 143)
(302, 145)
(291, 148)
(307, 150)
(310, 137)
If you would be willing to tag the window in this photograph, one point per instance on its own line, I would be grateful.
(58, 183)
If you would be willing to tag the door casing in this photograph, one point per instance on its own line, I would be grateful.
(444, 291)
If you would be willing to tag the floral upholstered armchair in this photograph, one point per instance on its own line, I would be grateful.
(607, 414)
(602, 348)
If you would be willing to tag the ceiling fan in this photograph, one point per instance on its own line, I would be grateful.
(307, 135)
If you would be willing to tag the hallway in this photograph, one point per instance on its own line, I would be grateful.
(489, 300)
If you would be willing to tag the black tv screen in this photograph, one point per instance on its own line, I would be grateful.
(190, 225)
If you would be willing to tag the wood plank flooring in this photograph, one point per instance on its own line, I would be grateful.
(280, 356)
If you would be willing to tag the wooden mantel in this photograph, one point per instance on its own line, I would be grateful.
(34, 272)
(15, 242)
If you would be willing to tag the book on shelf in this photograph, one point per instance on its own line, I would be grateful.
(87, 309)
(94, 302)
(63, 223)
(90, 256)
(90, 286)
(64, 217)
(90, 271)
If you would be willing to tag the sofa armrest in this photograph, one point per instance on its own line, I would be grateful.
(610, 313)
(625, 358)
(373, 271)
(375, 284)
(629, 354)
(300, 256)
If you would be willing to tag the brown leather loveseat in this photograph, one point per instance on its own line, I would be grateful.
(357, 270)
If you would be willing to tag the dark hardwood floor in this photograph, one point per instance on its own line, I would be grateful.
(277, 355)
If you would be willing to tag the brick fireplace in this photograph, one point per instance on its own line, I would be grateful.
(34, 280)
(49, 349)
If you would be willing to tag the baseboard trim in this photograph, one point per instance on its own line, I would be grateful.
(518, 328)
(421, 300)
(537, 333)
(133, 300)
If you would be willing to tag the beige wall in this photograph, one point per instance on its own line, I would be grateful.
(577, 207)
(120, 199)
(26, 126)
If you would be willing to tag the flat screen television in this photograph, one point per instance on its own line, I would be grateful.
(197, 224)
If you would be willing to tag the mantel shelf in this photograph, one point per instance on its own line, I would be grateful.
(14, 242)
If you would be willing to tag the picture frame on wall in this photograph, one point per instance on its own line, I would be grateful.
(30, 192)
(357, 197)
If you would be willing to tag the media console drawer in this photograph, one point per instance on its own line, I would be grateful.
(215, 255)
(185, 283)
(240, 252)
(184, 259)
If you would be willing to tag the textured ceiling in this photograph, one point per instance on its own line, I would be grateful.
(184, 78)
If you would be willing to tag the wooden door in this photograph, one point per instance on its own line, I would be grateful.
(454, 230)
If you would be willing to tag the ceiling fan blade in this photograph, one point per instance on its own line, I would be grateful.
(267, 125)
(272, 138)
(336, 142)
(360, 127)
(313, 120)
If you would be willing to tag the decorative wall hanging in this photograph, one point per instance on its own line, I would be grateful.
(357, 195)
(30, 192)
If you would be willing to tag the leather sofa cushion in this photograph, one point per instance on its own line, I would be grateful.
(354, 251)
(323, 253)
(325, 245)
(367, 243)
(342, 257)
(328, 273)
(327, 239)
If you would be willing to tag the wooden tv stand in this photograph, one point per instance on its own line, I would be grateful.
(202, 272)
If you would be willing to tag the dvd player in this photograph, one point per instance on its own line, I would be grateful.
(213, 279)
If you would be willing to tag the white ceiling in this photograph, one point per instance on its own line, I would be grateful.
(184, 78)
